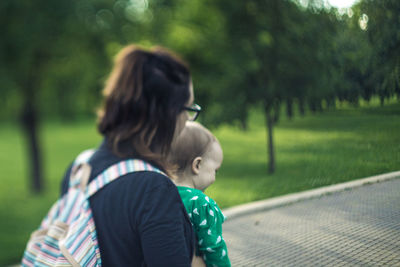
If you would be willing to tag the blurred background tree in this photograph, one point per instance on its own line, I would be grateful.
(30, 33)
(277, 54)
(381, 21)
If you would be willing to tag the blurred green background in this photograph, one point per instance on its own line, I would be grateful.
(301, 94)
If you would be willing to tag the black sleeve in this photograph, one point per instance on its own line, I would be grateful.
(163, 228)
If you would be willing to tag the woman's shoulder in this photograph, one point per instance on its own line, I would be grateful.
(151, 179)
(146, 172)
(102, 161)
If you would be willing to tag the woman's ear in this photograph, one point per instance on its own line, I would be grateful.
(196, 164)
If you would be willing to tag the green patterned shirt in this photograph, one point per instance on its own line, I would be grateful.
(207, 219)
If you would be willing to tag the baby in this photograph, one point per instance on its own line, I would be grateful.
(197, 156)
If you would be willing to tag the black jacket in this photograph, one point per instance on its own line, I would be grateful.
(140, 219)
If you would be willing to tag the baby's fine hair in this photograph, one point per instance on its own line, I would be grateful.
(192, 142)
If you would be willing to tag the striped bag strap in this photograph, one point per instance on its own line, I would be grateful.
(80, 177)
(117, 170)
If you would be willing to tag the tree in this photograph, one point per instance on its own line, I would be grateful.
(381, 21)
(36, 39)
(274, 50)
(29, 32)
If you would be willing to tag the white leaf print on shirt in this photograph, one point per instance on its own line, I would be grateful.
(218, 239)
(195, 211)
(210, 250)
(209, 232)
(211, 213)
(223, 253)
(200, 242)
(208, 200)
(190, 191)
(194, 198)
(204, 222)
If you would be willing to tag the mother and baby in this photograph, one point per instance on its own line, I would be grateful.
(157, 214)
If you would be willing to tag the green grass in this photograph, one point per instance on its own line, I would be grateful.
(312, 151)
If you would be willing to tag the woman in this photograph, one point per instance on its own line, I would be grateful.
(140, 219)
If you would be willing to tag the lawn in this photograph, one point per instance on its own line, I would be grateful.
(311, 151)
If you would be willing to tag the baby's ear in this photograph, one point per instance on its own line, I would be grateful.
(196, 165)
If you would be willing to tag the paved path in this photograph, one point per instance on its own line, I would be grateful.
(358, 227)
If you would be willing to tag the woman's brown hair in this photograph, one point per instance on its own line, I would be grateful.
(143, 97)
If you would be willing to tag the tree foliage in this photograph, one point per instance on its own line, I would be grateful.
(55, 55)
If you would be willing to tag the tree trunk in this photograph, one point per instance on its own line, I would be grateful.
(331, 103)
(30, 121)
(302, 109)
(277, 113)
(270, 141)
(313, 106)
(319, 105)
(243, 124)
(30, 125)
(289, 108)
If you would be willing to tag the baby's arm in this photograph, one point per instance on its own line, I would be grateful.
(209, 232)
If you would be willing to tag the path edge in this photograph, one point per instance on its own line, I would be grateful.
(271, 203)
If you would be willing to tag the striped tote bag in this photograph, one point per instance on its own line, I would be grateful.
(67, 235)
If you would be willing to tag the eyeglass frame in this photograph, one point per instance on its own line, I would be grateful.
(195, 108)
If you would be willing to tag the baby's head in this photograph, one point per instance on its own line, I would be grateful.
(197, 155)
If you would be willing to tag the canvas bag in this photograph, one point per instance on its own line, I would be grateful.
(67, 235)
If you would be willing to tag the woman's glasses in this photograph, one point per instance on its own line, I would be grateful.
(193, 111)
